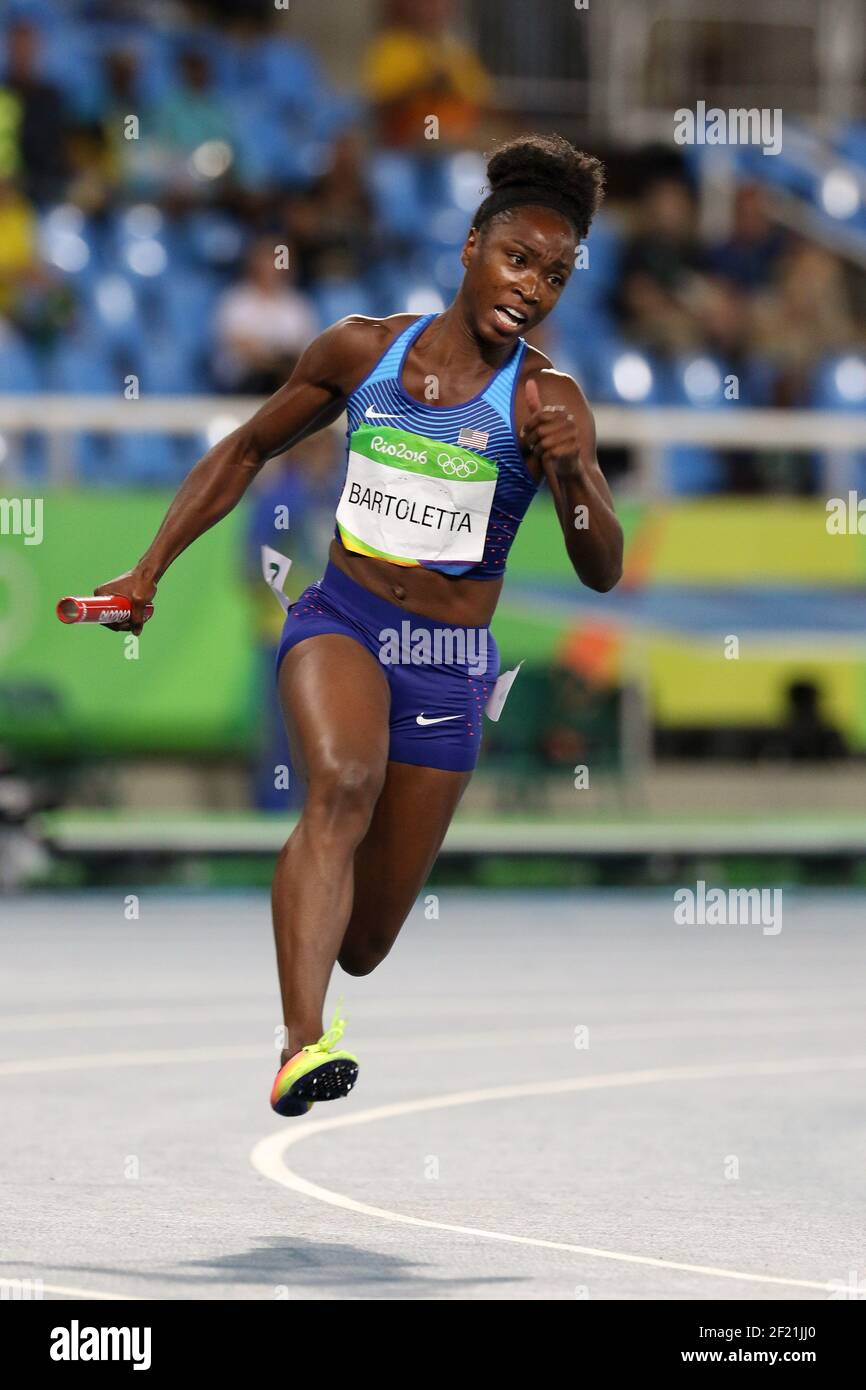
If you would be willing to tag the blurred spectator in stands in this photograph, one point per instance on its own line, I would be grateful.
(751, 254)
(32, 120)
(262, 324)
(580, 722)
(806, 735)
(332, 223)
(193, 132)
(32, 296)
(133, 164)
(417, 67)
(90, 182)
(659, 279)
(801, 318)
(723, 313)
(17, 241)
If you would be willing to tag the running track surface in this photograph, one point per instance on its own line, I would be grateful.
(706, 1144)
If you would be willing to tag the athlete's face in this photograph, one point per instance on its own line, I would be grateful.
(516, 269)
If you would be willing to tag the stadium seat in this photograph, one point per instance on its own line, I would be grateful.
(597, 279)
(187, 301)
(164, 367)
(19, 375)
(389, 283)
(211, 238)
(852, 143)
(394, 188)
(617, 372)
(19, 371)
(146, 460)
(70, 59)
(840, 385)
(283, 71)
(112, 311)
(81, 366)
(334, 299)
(689, 470)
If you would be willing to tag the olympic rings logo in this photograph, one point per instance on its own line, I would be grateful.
(457, 468)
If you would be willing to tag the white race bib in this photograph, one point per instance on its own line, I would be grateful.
(407, 498)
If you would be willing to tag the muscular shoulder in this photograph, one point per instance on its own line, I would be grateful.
(344, 354)
(554, 388)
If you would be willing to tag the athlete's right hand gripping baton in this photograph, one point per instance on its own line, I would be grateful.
(105, 608)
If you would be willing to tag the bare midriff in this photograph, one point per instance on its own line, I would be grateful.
(445, 598)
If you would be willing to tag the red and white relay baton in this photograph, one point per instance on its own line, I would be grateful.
(109, 608)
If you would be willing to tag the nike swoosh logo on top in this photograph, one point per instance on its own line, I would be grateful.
(371, 413)
(439, 720)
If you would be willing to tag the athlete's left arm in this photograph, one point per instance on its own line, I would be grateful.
(559, 431)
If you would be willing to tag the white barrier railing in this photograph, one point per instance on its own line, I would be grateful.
(836, 436)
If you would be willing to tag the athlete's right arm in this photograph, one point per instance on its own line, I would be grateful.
(313, 397)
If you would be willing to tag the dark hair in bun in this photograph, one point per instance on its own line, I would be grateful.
(546, 170)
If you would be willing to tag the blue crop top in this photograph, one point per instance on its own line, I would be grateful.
(445, 487)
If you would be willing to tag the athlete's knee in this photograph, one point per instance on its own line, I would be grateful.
(362, 957)
(343, 792)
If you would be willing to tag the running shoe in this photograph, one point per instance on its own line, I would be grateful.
(317, 1072)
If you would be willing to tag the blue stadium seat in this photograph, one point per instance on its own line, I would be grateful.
(93, 462)
(689, 470)
(69, 58)
(19, 372)
(335, 113)
(145, 460)
(70, 243)
(211, 238)
(111, 310)
(697, 380)
(274, 146)
(286, 72)
(19, 375)
(164, 367)
(840, 384)
(187, 302)
(334, 299)
(395, 193)
(852, 143)
(389, 283)
(604, 252)
(589, 338)
(82, 367)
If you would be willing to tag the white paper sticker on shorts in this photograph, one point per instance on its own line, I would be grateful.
(499, 694)
(275, 568)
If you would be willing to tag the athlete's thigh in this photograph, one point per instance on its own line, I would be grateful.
(393, 860)
(336, 704)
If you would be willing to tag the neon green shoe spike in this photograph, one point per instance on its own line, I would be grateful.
(318, 1072)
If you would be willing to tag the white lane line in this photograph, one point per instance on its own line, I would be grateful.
(267, 1156)
(68, 1290)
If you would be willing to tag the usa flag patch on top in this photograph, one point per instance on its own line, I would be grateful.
(472, 439)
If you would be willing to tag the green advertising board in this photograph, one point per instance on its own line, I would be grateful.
(190, 683)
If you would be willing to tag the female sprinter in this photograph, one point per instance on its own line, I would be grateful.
(386, 663)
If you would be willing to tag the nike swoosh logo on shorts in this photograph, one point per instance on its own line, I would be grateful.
(371, 413)
(440, 719)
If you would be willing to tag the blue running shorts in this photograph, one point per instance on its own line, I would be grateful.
(439, 676)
